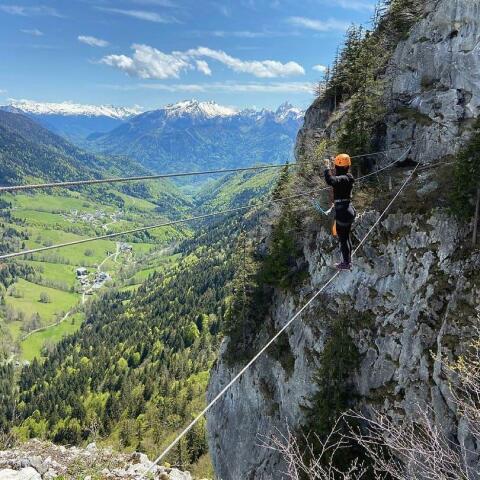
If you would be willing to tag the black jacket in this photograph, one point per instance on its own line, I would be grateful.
(342, 190)
(342, 185)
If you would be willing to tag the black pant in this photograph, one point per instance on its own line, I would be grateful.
(344, 236)
(345, 216)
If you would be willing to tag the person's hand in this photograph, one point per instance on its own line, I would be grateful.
(328, 163)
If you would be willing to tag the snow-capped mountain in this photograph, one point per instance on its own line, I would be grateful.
(71, 120)
(211, 110)
(287, 112)
(195, 108)
(190, 133)
(73, 109)
(197, 134)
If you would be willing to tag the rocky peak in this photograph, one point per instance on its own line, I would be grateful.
(194, 108)
(287, 111)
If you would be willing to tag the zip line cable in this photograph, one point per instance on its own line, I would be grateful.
(184, 220)
(275, 337)
(99, 181)
(150, 227)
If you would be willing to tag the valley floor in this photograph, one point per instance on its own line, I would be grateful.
(46, 304)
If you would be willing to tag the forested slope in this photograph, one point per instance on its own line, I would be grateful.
(137, 370)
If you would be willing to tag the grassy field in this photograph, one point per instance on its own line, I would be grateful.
(47, 219)
(29, 303)
(55, 272)
(32, 346)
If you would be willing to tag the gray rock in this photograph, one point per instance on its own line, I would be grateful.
(51, 474)
(27, 473)
(407, 274)
(178, 475)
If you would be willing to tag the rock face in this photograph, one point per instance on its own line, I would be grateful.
(38, 460)
(415, 290)
(435, 93)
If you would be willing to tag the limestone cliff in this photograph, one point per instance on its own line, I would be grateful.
(414, 294)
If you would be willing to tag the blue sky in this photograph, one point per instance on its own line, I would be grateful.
(152, 52)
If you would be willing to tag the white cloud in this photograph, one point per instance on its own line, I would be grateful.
(227, 87)
(260, 69)
(239, 34)
(26, 11)
(148, 62)
(140, 15)
(320, 68)
(202, 66)
(360, 5)
(34, 32)
(93, 41)
(157, 3)
(2, 92)
(329, 25)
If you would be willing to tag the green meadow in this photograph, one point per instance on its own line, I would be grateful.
(48, 219)
(28, 301)
(32, 346)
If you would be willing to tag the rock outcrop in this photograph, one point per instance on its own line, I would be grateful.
(415, 290)
(435, 88)
(38, 460)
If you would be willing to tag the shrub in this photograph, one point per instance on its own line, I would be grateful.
(467, 176)
(45, 298)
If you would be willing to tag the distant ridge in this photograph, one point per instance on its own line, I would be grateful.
(72, 120)
(69, 108)
(194, 135)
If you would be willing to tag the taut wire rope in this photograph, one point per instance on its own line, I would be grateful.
(275, 337)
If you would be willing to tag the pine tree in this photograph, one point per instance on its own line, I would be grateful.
(282, 183)
(467, 176)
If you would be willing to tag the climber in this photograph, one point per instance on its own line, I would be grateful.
(342, 183)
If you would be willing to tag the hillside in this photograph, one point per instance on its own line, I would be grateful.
(29, 150)
(378, 339)
(137, 369)
(195, 136)
(236, 190)
(72, 121)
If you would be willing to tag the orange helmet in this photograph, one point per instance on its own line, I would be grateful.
(343, 160)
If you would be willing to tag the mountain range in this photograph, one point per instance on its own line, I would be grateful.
(71, 120)
(199, 135)
(183, 136)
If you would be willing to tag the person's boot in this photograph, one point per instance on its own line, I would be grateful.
(343, 266)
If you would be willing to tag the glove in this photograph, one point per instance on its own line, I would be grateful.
(328, 163)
